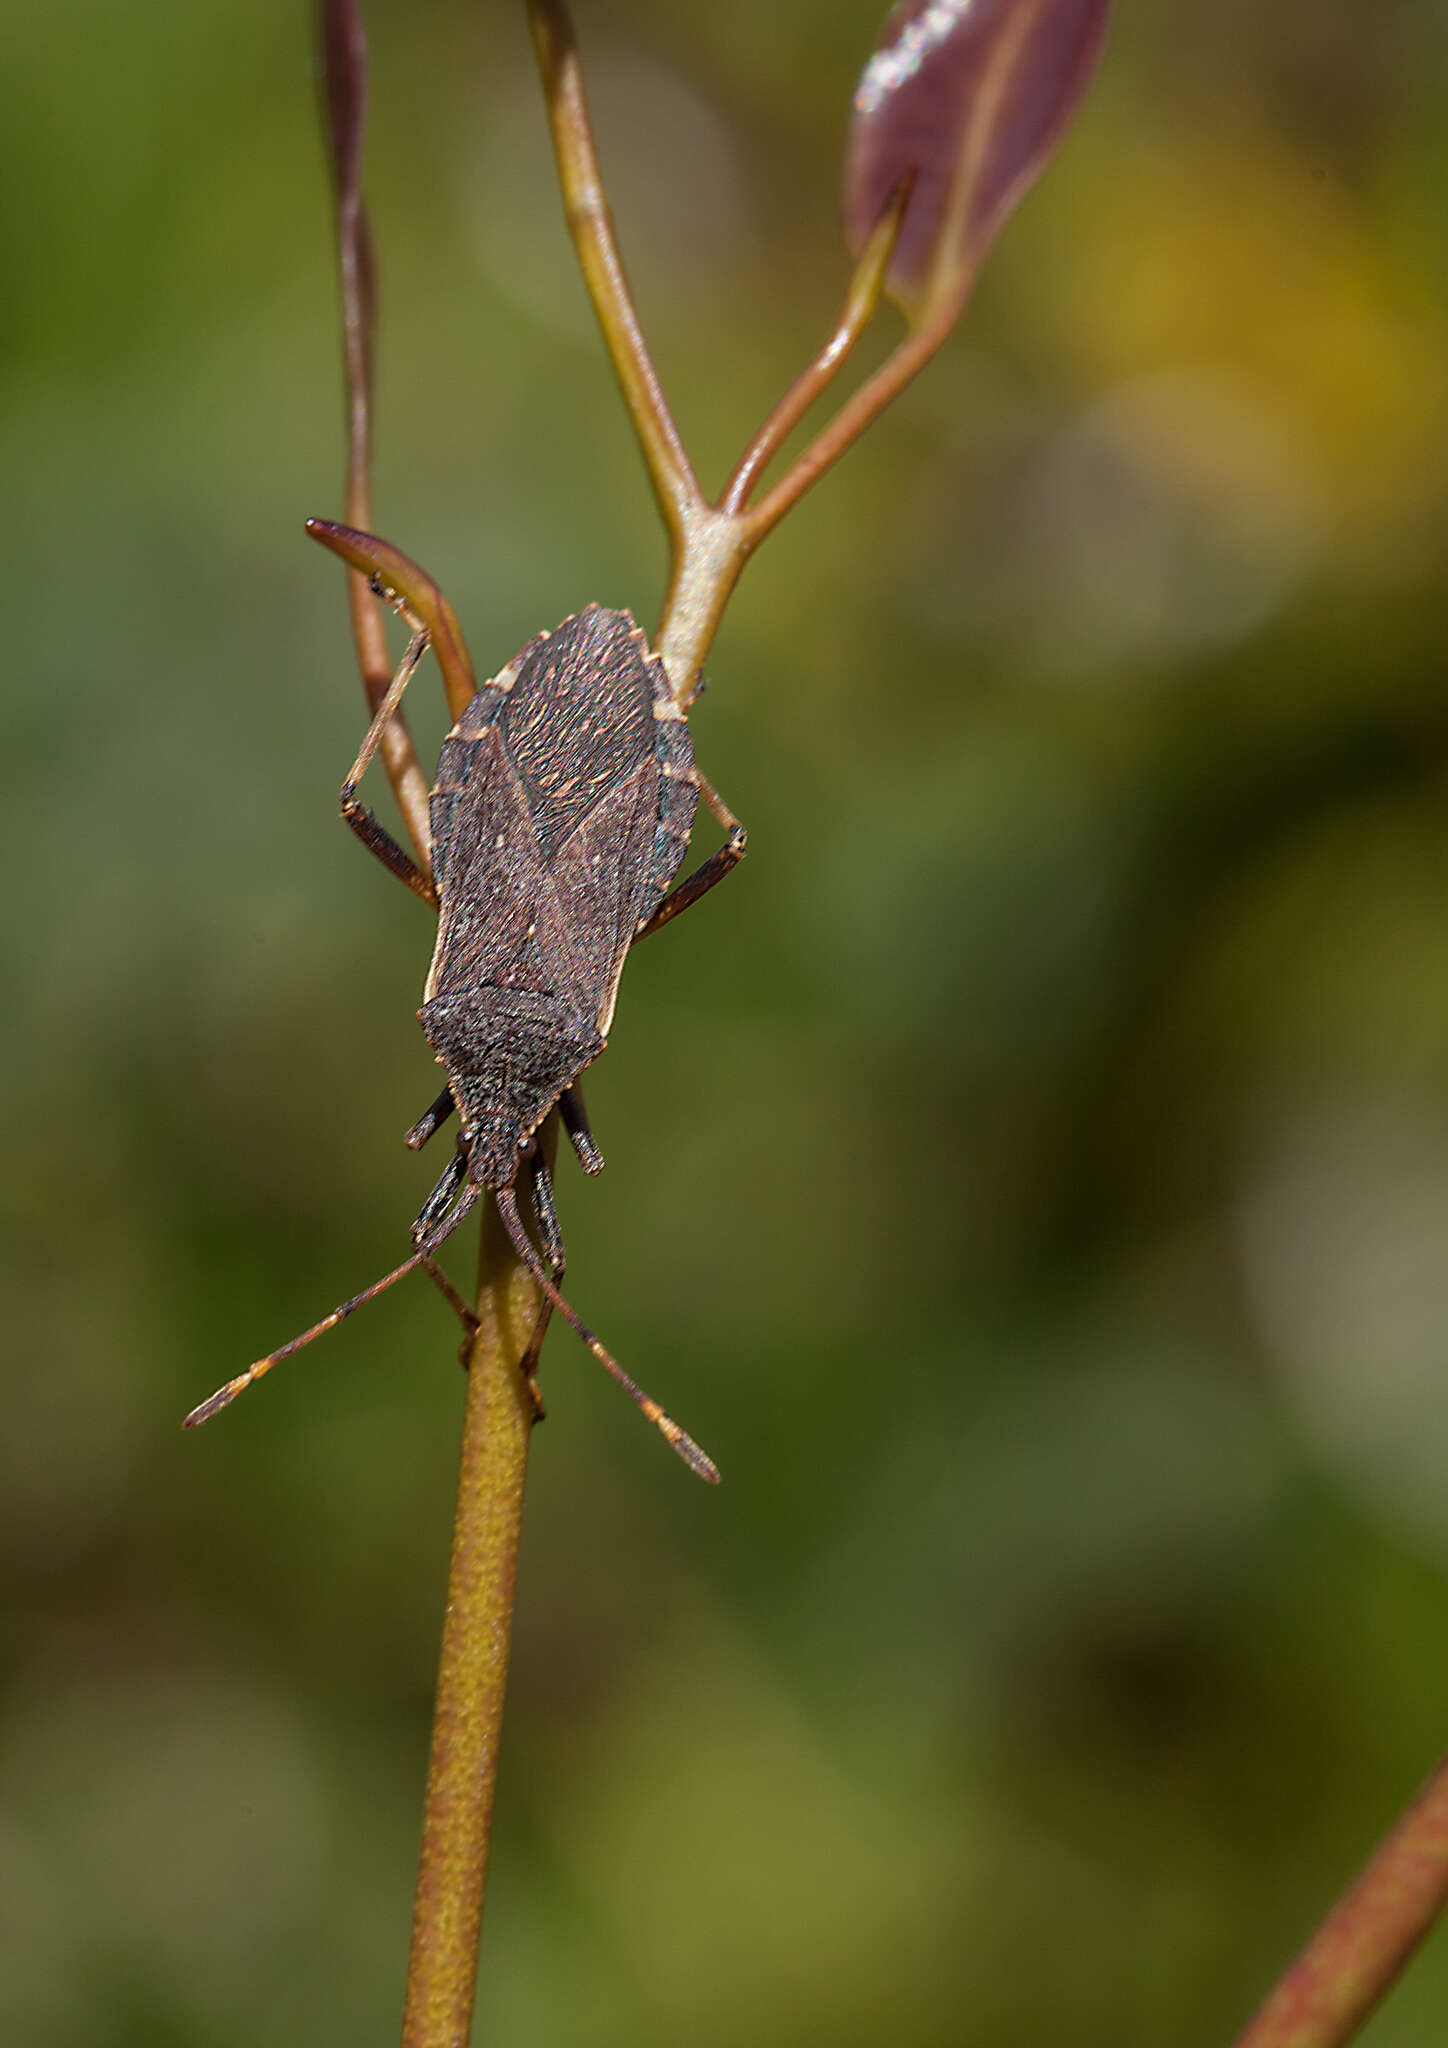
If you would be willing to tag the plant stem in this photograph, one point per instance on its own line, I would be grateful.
(709, 544)
(863, 406)
(473, 1666)
(590, 224)
(703, 571)
(344, 77)
(1367, 1938)
(708, 547)
(861, 300)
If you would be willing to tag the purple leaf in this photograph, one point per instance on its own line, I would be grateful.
(970, 96)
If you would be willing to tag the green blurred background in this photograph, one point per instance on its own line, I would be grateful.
(1029, 1177)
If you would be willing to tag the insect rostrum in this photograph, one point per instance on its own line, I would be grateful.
(564, 800)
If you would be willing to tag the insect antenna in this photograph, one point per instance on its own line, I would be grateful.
(224, 1396)
(675, 1437)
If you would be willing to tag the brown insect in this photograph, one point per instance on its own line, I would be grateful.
(564, 801)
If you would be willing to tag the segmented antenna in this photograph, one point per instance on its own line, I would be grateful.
(697, 1460)
(224, 1396)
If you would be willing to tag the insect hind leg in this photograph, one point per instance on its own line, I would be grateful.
(704, 877)
(369, 829)
(545, 1211)
(443, 1198)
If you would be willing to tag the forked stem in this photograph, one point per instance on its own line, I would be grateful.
(710, 543)
(857, 413)
(861, 302)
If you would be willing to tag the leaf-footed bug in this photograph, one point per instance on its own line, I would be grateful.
(564, 800)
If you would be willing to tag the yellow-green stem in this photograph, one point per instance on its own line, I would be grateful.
(590, 224)
(473, 1665)
(702, 574)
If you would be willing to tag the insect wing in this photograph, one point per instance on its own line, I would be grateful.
(601, 875)
(500, 925)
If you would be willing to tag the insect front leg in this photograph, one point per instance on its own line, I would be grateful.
(545, 1211)
(575, 1122)
(713, 870)
(369, 829)
(545, 1215)
(432, 1119)
(444, 1195)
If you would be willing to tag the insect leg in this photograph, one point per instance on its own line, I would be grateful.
(374, 835)
(432, 1119)
(437, 1204)
(225, 1395)
(545, 1213)
(345, 89)
(430, 1214)
(575, 1122)
(713, 870)
(675, 1437)
(545, 1210)
(451, 1296)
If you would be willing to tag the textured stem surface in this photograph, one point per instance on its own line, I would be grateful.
(1368, 1936)
(473, 1668)
(344, 96)
(590, 224)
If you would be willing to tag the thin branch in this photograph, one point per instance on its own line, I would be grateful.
(590, 224)
(1367, 1938)
(913, 353)
(473, 1666)
(716, 541)
(409, 589)
(861, 301)
(344, 81)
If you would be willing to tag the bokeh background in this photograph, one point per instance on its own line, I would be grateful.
(1029, 1177)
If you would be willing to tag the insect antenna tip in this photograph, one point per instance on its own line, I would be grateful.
(696, 1460)
(214, 1403)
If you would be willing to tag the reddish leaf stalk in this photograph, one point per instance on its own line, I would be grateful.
(861, 301)
(1367, 1938)
(344, 90)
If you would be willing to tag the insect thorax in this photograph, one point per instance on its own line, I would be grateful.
(509, 1055)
